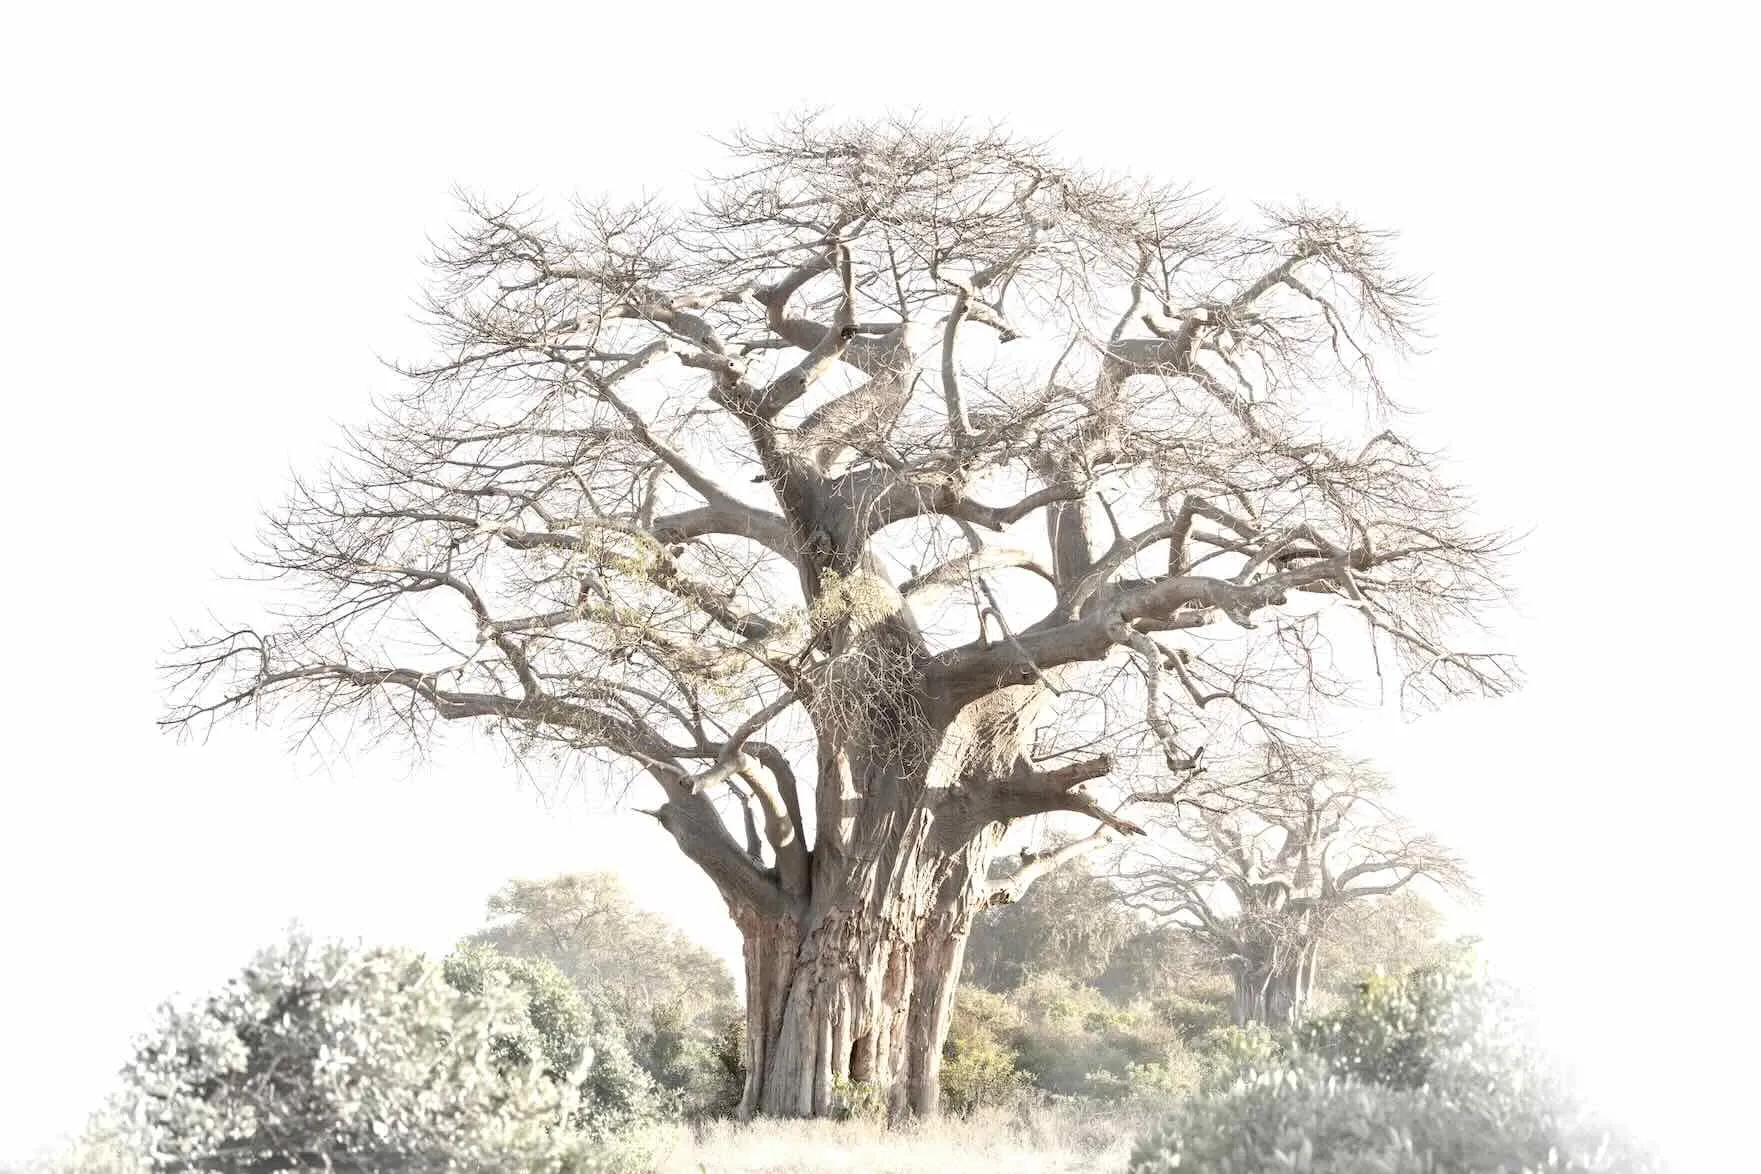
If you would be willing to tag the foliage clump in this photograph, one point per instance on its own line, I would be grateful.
(1063, 1039)
(320, 1055)
(979, 1067)
(702, 1065)
(1231, 1053)
(672, 1000)
(1427, 1074)
(1070, 923)
(573, 1043)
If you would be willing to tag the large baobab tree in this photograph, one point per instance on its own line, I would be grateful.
(1263, 882)
(825, 504)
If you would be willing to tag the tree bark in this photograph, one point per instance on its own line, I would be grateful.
(1274, 989)
(857, 984)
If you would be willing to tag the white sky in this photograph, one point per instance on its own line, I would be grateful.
(215, 219)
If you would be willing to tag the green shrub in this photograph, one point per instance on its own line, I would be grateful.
(979, 1073)
(617, 953)
(1229, 1053)
(349, 1059)
(980, 1010)
(704, 1071)
(1072, 1042)
(670, 997)
(574, 1043)
(1396, 1029)
(728, 1053)
(1152, 1083)
(1425, 1075)
(1300, 1118)
(1189, 1016)
(979, 1066)
(857, 1100)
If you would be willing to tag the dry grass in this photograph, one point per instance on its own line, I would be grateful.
(1028, 1140)
(1061, 1138)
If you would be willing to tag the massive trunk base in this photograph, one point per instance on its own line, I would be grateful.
(1274, 993)
(857, 999)
(854, 984)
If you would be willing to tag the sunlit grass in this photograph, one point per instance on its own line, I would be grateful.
(1030, 1139)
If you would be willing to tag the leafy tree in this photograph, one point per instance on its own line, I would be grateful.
(672, 998)
(1391, 935)
(573, 1043)
(1264, 882)
(321, 1056)
(613, 950)
(1069, 924)
(729, 498)
(1165, 962)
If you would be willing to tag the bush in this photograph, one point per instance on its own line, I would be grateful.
(576, 1044)
(671, 998)
(1191, 1017)
(348, 1059)
(1230, 1053)
(1426, 1075)
(703, 1071)
(618, 954)
(1301, 1118)
(728, 1051)
(1427, 1026)
(978, 1061)
(1073, 1042)
(857, 1100)
(1156, 1081)
(1061, 1038)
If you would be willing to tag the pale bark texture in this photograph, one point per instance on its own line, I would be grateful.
(1272, 991)
(902, 487)
(1261, 882)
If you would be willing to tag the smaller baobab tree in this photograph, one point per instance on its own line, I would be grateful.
(1262, 881)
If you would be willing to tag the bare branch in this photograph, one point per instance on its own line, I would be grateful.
(1014, 886)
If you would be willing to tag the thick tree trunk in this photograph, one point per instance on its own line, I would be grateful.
(858, 985)
(856, 999)
(854, 981)
(1274, 990)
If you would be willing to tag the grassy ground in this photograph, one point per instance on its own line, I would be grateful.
(1032, 1138)
(1029, 1140)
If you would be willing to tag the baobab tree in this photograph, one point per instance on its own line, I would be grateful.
(1262, 882)
(837, 505)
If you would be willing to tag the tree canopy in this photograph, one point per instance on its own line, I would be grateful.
(587, 925)
(1071, 924)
